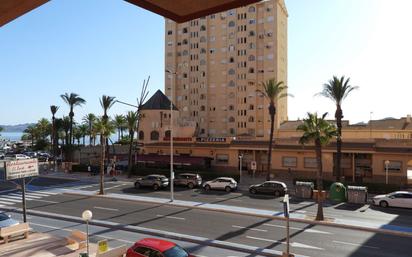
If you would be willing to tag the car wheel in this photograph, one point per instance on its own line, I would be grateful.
(190, 185)
(277, 193)
(228, 189)
(137, 185)
(155, 186)
(383, 204)
(207, 188)
(252, 191)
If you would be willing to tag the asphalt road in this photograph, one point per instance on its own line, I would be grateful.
(393, 216)
(305, 239)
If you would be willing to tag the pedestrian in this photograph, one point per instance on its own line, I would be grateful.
(89, 169)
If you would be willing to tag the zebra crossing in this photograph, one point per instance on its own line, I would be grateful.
(15, 197)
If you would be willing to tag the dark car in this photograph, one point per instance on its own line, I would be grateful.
(189, 180)
(154, 181)
(275, 188)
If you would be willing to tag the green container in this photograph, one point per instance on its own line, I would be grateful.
(337, 192)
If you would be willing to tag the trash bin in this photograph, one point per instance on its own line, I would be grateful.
(304, 189)
(337, 192)
(357, 194)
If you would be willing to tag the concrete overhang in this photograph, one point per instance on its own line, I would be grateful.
(177, 10)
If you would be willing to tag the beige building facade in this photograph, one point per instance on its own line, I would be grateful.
(218, 63)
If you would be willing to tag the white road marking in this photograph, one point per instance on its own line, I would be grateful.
(253, 229)
(359, 245)
(45, 192)
(104, 208)
(117, 239)
(6, 203)
(27, 196)
(304, 230)
(221, 198)
(10, 200)
(170, 217)
(16, 197)
(293, 244)
(108, 188)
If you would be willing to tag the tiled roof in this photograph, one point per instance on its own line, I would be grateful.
(158, 102)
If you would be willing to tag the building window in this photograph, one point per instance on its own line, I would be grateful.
(141, 135)
(251, 33)
(202, 39)
(251, 70)
(231, 72)
(252, 9)
(222, 158)
(252, 46)
(231, 24)
(394, 166)
(310, 162)
(231, 119)
(232, 84)
(203, 28)
(251, 119)
(231, 107)
(185, 30)
(169, 32)
(167, 134)
(154, 135)
(289, 161)
(251, 58)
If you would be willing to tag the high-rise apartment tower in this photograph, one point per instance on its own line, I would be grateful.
(220, 60)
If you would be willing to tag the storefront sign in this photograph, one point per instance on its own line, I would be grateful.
(211, 139)
(21, 169)
(179, 139)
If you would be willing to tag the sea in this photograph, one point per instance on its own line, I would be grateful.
(16, 136)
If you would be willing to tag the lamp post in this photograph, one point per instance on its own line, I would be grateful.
(172, 175)
(240, 168)
(386, 167)
(87, 216)
(61, 155)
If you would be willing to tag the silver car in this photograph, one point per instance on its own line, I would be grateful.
(7, 221)
(396, 199)
(154, 181)
(222, 183)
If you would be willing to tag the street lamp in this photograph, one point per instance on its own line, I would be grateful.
(172, 175)
(61, 155)
(386, 166)
(87, 216)
(240, 168)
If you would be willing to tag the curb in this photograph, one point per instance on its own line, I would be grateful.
(266, 216)
(155, 232)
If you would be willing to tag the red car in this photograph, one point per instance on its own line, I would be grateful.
(152, 247)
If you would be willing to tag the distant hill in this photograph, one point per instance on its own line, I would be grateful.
(15, 128)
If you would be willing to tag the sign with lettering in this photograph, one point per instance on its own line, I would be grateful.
(103, 246)
(21, 169)
(179, 139)
(211, 139)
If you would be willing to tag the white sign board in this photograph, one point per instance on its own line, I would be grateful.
(22, 169)
(253, 165)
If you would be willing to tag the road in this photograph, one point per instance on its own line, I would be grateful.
(306, 240)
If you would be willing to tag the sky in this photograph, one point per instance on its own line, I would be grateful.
(94, 47)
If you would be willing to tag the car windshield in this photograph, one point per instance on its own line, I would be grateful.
(3, 217)
(176, 251)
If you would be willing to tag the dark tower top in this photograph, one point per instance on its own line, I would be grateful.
(158, 102)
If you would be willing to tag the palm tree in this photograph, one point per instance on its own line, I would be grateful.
(131, 118)
(106, 102)
(84, 129)
(31, 130)
(104, 128)
(89, 119)
(320, 131)
(337, 90)
(119, 122)
(66, 128)
(72, 100)
(272, 90)
(53, 110)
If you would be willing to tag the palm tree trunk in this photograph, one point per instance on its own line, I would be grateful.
(129, 163)
(118, 135)
(103, 149)
(338, 116)
(272, 112)
(319, 214)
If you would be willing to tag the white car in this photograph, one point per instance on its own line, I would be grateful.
(21, 157)
(395, 199)
(222, 183)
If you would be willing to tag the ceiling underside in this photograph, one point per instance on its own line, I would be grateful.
(177, 10)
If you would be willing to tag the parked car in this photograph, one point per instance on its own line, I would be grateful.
(222, 183)
(394, 199)
(275, 188)
(154, 181)
(31, 154)
(7, 221)
(152, 247)
(21, 157)
(189, 180)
